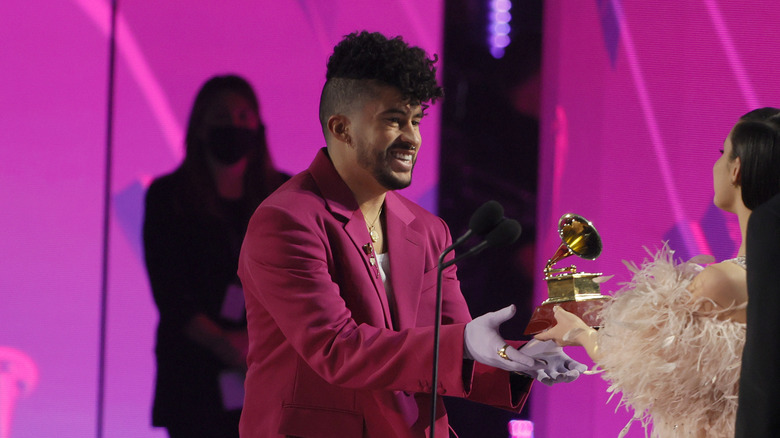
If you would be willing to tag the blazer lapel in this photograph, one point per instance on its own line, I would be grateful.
(341, 202)
(358, 232)
(406, 251)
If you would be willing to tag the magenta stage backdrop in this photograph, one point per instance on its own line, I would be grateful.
(638, 97)
(54, 58)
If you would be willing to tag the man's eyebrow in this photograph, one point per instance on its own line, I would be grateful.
(418, 113)
(398, 111)
(394, 111)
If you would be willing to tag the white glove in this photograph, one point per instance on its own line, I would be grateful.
(483, 343)
(543, 361)
(552, 364)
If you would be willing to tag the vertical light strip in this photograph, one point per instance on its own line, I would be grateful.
(150, 87)
(499, 27)
(421, 28)
(311, 10)
(736, 64)
(560, 154)
(694, 243)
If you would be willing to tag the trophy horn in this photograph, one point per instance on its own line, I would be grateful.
(577, 292)
(579, 237)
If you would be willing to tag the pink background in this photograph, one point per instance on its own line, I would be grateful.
(637, 99)
(54, 58)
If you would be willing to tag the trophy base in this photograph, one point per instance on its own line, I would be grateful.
(543, 317)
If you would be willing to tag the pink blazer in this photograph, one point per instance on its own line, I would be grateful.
(326, 356)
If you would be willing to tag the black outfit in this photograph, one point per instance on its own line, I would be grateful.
(191, 256)
(758, 414)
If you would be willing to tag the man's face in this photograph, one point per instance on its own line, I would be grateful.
(385, 134)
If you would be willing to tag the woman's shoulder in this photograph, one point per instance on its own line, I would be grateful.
(724, 283)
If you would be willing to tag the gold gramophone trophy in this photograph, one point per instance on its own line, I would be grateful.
(576, 292)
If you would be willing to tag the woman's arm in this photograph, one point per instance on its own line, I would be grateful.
(571, 330)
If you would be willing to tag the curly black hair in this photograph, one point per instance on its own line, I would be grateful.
(363, 59)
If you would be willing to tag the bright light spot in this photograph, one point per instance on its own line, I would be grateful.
(499, 27)
(500, 41)
(521, 429)
(503, 17)
(502, 5)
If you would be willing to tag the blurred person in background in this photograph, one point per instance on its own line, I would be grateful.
(194, 222)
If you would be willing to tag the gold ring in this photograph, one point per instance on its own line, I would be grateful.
(502, 352)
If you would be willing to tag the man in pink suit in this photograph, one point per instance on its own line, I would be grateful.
(339, 274)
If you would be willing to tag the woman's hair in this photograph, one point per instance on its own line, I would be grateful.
(755, 140)
(260, 179)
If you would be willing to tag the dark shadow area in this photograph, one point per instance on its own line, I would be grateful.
(489, 150)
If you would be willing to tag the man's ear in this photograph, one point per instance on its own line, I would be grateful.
(338, 126)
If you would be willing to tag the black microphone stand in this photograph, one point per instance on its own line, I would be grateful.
(437, 327)
(504, 232)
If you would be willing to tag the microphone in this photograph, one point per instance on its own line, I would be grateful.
(486, 217)
(488, 221)
(505, 233)
(484, 220)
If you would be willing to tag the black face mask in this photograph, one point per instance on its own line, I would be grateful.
(228, 144)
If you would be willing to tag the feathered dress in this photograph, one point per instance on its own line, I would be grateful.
(675, 364)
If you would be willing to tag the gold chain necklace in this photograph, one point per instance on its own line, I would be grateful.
(371, 230)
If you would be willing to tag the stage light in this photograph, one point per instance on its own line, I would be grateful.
(521, 429)
(499, 27)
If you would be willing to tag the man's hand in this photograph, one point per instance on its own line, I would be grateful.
(552, 364)
(543, 361)
(484, 344)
